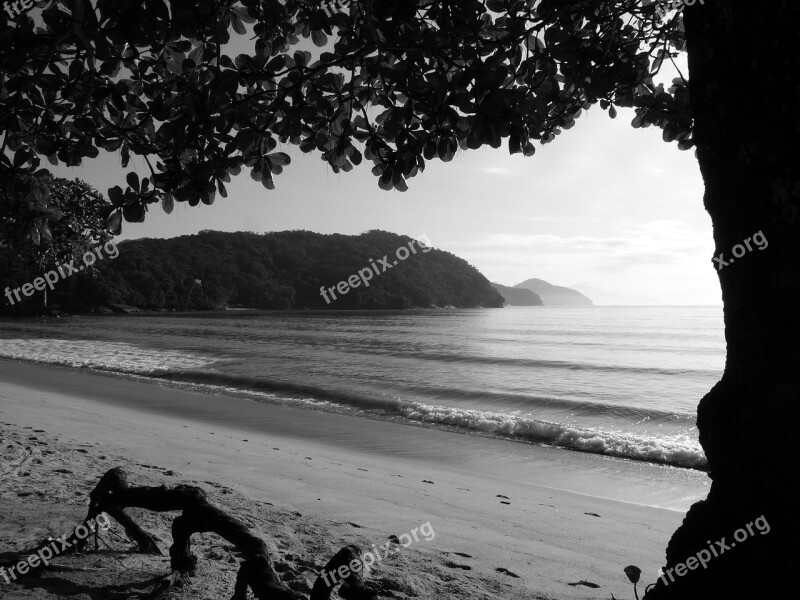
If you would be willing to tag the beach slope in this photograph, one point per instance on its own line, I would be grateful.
(309, 483)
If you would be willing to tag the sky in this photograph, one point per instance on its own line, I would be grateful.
(607, 209)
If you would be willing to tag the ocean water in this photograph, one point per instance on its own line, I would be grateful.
(617, 381)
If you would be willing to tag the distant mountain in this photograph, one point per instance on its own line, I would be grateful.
(518, 297)
(555, 295)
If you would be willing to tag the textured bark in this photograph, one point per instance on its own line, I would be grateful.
(353, 588)
(147, 544)
(745, 85)
(113, 494)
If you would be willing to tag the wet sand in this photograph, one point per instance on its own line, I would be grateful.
(511, 520)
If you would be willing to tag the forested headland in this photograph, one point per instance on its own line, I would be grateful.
(279, 270)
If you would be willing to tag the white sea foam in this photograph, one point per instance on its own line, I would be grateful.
(678, 450)
(96, 354)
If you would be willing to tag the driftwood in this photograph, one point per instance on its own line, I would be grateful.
(113, 495)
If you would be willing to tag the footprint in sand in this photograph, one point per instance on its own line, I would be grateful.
(506, 572)
(303, 563)
(282, 567)
(588, 584)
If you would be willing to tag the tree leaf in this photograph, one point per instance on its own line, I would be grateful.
(115, 222)
(633, 572)
(319, 38)
(237, 24)
(168, 203)
(279, 158)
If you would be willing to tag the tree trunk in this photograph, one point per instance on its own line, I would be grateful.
(745, 84)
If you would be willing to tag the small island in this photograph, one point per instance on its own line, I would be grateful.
(555, 295)
(538, 292)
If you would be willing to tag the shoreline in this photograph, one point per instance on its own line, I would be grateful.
(673, 487)
(541, 513)
(221, 384)
(57, 313)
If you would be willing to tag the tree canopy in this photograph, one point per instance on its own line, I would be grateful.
(42, 235)
(398, 83)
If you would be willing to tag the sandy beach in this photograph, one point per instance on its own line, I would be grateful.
(510, 520)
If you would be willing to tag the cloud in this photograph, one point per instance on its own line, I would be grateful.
(499, 171)
(638, 260)
(665, 241)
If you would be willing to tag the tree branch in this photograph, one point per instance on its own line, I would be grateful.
(113, 494)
